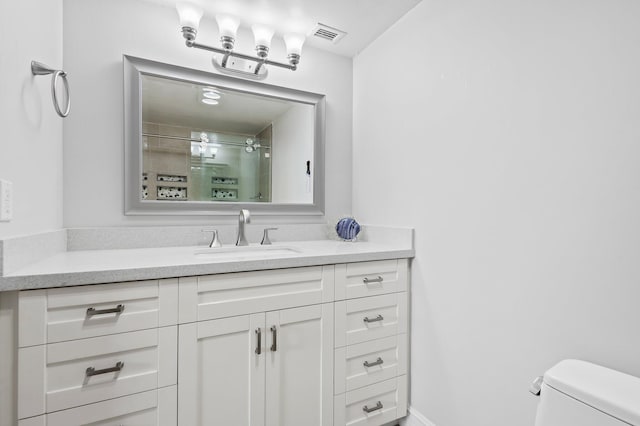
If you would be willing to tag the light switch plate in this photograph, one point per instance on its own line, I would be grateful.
(6, 201)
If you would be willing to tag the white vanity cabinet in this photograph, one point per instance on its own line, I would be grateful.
(313, 346)
(266, 363)
(371, 342)
(98, 354)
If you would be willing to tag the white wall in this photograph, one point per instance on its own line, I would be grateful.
(30, 129)
(96, 35)
(517, 125)
(289, 161)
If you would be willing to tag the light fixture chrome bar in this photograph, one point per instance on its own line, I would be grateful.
(225, 58)
(227, 53)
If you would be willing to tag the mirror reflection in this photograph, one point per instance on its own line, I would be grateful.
(206, 143)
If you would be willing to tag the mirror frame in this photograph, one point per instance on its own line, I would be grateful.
(134, 68)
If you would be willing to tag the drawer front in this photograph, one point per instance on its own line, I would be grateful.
(224, 295)
(364, 364)
(80, 372)
(70, 313)
(156, 407)
(369, 318)
(363, 279)
(372, 405)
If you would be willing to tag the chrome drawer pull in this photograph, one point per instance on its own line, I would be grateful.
(93, 311)
(372, 280)
(274, 333)
(93, 372)
(259, 346)
(376, 319)
(374, 363)
(371, 410)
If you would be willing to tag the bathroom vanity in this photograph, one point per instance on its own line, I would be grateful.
(311, 333)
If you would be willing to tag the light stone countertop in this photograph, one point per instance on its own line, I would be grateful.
(80, 267)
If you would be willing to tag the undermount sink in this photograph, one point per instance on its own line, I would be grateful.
(245, 252)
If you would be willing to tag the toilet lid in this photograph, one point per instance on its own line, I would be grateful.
(609, 391)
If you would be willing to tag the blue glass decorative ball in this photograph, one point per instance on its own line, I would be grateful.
(347, 228)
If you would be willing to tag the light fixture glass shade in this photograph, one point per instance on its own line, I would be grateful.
(190, 15)
(227, 26)
(262, 35)
(294, 43)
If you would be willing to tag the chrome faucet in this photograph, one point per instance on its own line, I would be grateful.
(243, 218)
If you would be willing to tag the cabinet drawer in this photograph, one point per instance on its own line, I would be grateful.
(57, 376)
(369, 318)
(156, 407)
(363, 279)
(371, 362)
(70, 313)
(372, 405)
(224, 295)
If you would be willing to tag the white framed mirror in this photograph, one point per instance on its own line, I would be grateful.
(204, 143)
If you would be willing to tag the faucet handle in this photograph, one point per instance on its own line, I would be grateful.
(215, 241)
(265, 237)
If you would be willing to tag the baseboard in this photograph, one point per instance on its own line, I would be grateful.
(415, 418)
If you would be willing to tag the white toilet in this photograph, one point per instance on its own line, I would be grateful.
(577, 393)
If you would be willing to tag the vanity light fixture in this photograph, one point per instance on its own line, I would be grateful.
(247, 65)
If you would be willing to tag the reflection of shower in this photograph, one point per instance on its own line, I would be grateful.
(202, 141)
(204, 148)
(251, 145)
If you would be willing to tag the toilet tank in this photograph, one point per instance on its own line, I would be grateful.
(578, 393)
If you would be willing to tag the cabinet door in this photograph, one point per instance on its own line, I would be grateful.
(63, 375)
(71, 313)
(221, 372)
(362, 279)
(225, 295)
(299, 368)
(156, 407)
(373, 405)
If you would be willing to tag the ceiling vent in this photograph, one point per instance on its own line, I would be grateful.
(328, 33)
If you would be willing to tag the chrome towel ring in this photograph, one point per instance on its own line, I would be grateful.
(38, 68)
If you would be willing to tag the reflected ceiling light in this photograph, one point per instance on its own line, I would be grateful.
(211, 92)
(190, 16)
(210, 101)
(211, 95)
